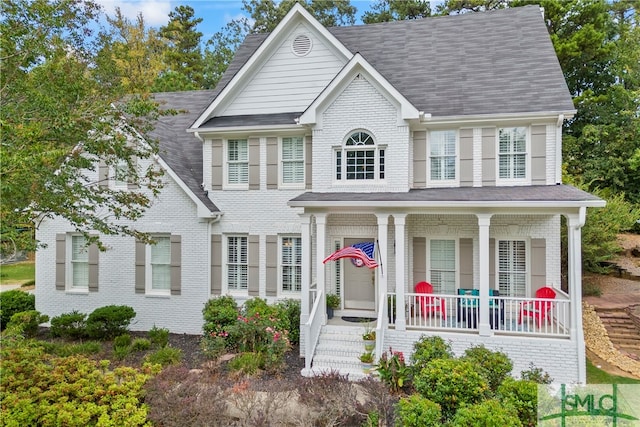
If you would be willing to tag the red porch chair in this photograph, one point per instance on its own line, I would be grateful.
(538, 310)
(430, 304)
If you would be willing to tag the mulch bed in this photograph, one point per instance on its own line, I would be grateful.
(193, 358)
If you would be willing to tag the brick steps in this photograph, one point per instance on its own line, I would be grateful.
(622, 332)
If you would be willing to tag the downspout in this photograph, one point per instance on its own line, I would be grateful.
(559, 148)
(214, 219)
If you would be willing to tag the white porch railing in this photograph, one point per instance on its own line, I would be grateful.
(519, 316)
(312, 328)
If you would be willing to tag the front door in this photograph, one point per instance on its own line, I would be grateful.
(359, 283)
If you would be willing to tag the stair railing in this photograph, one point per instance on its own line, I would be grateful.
(312, 329)
(381, 324)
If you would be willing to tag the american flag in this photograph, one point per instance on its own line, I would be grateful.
(360, 251)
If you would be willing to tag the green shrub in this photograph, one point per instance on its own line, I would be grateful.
(427, 349)
(109, 321)
(537, 375)
(165, 356)
(291, 309)
(488, 413)
(26, 323)
(522, 395)
(12, 302)
(121, 352)
(39, 389)
(69, 325)
(218, 313)
(417, 411)
(494, 366)
(451, 383)
(123, 340)
(141, 344)
(247, 363)
(159, 336)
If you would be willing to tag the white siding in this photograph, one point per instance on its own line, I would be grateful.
(286, 82)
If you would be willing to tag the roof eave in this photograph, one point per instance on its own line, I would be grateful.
(479, 118)
(449, 204)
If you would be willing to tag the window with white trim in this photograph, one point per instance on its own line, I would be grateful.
(512, 268)
(442, 266)
(237, 161)
(360, 158)
(292, 158)
(237, 263)
(512, 153)
(79, 263)
(291, 264)
(159, 265)
(443, 155)
(120, 170)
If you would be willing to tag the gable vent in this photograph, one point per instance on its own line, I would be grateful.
(301, 45)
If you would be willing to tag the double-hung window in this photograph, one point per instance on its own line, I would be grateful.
(512, 268)
(512, 153)
(442, 156)
(79, 263)
(442, 254)
(291, 264)
(292, 156)
(160, 265)
(237, 161)
(237, 263)
(360, 158)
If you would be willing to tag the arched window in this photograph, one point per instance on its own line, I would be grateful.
(360, 158)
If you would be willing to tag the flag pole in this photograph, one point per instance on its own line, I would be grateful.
(379, 257)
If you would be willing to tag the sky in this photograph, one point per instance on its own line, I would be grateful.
(215, 13)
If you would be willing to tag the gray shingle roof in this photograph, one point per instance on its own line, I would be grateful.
(500, 61)
(473, 195)
(252, 120)
(182, 151)
(492, 62)
(478, 63)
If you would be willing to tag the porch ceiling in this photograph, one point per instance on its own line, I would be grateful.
(540, 196)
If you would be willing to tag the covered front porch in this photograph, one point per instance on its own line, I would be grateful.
(480, 295)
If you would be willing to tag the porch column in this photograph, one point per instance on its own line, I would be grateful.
(321, 220)
(484, 220)
(383, 226)
(401, 320)
(574, 255)
(305, 237)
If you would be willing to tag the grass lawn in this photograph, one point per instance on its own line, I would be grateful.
(20, 272)
(598, 376)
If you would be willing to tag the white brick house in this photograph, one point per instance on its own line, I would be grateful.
(439, 139)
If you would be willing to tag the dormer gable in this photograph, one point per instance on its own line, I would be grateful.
(300, 36)
(358, 67)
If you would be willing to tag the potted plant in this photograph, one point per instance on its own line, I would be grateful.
(367, 360)
(369, 338)
(333, 302)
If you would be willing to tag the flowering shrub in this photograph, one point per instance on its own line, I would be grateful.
(260, 329)
(393, 370)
